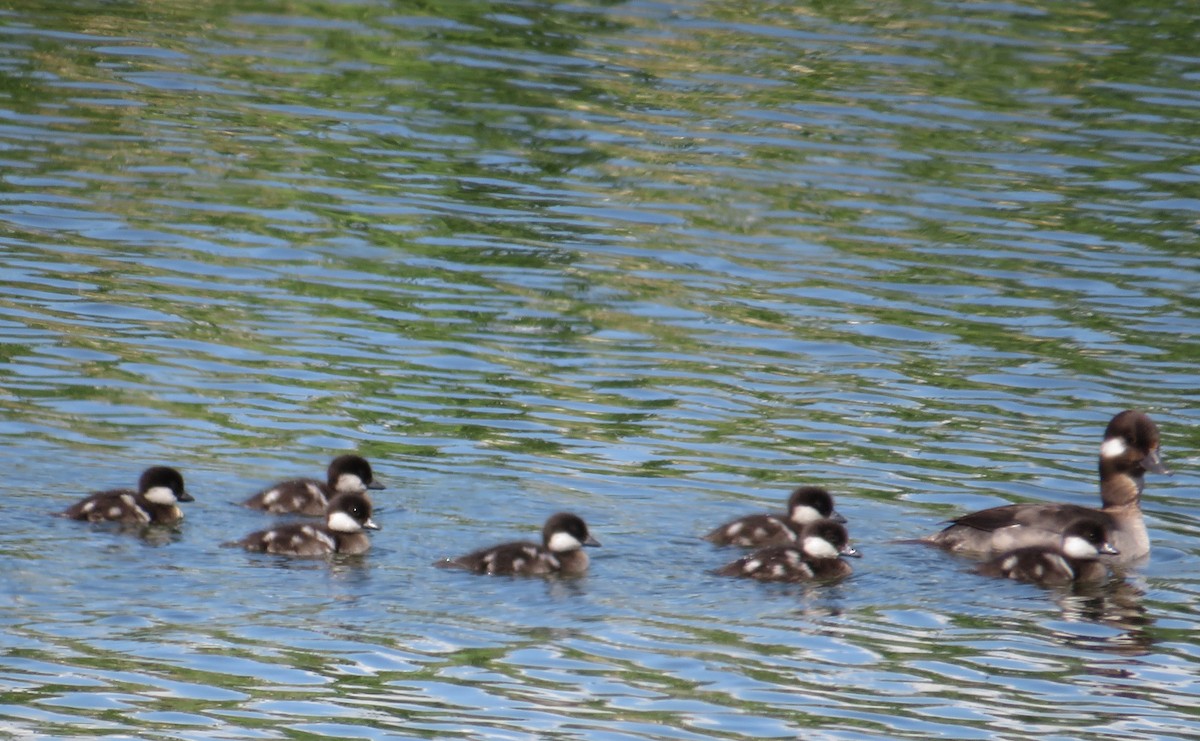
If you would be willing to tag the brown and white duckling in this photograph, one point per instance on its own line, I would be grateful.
(346, 517)
(561, 552)
(815, 556)
(1075, 559)
(160, 489)
(806, 504)
(347, 474)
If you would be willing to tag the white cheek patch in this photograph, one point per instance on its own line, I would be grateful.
(1113, 448)
(819, 548)
(160, 495)
(803, 513)
(343, 523)
(1076, 547)
(348, 482)
(561, 542)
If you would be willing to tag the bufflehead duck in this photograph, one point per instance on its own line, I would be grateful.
(346, 516)
(1076, 558)
(563, 537)
(160, 488)
(1129, 450)
(816, 556)
(347, 474)
(806, 504)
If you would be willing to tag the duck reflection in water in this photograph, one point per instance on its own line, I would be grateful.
(1116, 604)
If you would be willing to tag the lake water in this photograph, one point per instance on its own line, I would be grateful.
(655, 263)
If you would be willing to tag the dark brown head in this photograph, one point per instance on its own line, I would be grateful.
(826, 539)
(351, 474)
(163, 485)
(565, 532)
(1086, 539)
(1130, 446)
(811, 503)
(349, 513)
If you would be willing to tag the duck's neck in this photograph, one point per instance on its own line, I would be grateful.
(1121, 491)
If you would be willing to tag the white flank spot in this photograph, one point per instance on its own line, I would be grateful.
(129, 500)
(114, 512)
(517, 564)
(561, 542)
(89, 506)
(1062, 564)
(819, 548)
(733, 529)
(752, 566)
(1008, 563)
(759, 533)
(802, 513)
(778, 570)
(343, 523)
(349, 483)
(270, 536)
(160, 495)
(297, 539)
(314, 490)
(271, 497)
(329, 542)
(804, 569)
(1076, 547)
(1113, 447)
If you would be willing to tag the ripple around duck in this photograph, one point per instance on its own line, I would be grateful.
(655, 263)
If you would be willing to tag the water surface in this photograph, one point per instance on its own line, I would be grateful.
(654, 263)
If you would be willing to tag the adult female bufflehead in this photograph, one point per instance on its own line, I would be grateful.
(346, 517)
(1129, 450)
(814, 556)
(806, 504)
(563, 537)
(347, 474)
(159, 490)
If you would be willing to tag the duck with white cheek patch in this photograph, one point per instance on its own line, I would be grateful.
(806, 504)
(1076, 559)
(160, 489)
(347, 474)
(346, 517)
(1129, 450)
(817, 556)
(561, 552)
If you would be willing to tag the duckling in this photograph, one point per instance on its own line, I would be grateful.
(806, 504)
(159, 490)
(563, 537)
(815, 557)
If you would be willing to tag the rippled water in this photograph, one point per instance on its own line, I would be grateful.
(655, 263)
